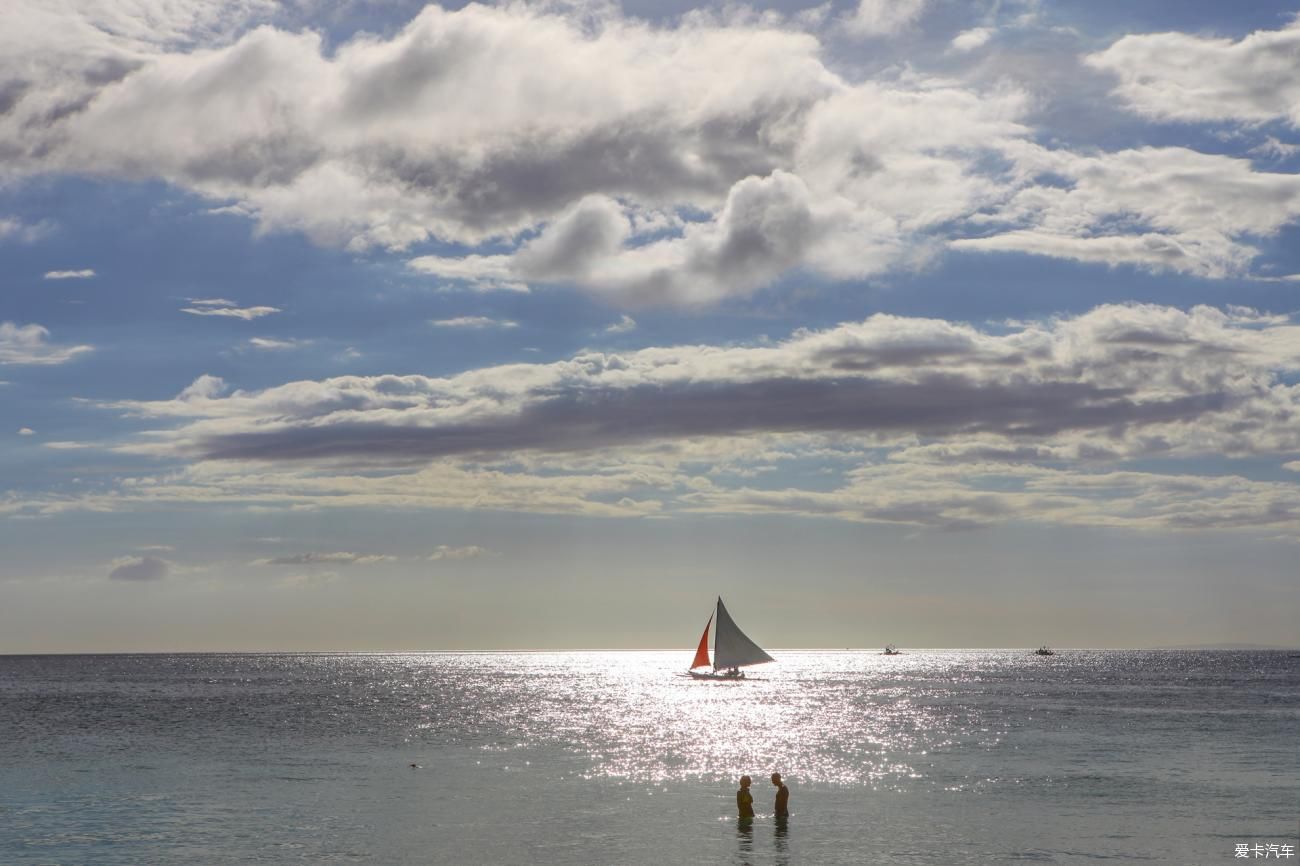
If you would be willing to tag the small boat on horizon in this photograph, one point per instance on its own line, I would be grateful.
(732, 649)
(1044, 651)
(891, 650)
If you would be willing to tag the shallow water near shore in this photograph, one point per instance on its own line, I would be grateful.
(944, 756)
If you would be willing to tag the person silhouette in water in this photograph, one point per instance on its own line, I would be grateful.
(745, 800)
(782, 797)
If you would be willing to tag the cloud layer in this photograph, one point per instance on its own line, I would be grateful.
(683, 163)
(908, 421)
(1122, 380)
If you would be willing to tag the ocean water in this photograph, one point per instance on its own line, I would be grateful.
(944, 757)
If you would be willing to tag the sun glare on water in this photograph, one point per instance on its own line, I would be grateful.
(850, 717)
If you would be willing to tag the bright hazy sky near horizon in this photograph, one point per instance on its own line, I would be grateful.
(361, 325)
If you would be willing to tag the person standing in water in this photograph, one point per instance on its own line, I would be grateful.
(745, 800)
(782, 797)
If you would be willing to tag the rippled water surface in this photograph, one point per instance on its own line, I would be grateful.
(592, 758)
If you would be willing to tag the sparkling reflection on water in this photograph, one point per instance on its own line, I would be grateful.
(930, 757)
(847, 718)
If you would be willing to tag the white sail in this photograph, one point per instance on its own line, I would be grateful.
(731, 648)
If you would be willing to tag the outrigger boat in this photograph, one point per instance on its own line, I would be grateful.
(891, 650)
(732, 649)
(1044, 651)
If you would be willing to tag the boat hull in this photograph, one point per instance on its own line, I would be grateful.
(709, 675)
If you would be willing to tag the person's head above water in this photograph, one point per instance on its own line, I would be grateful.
(745, 781)
(776, 778)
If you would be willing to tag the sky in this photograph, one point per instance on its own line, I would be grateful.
(372, 325)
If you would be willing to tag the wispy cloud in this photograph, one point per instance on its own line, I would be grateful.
(622, 326)
(26, 431)
(269, 344)
(13, 229)
(70, 275)
(338, 558)
(473, 323)
(471, 551)
(222, 307)
(28, 344)
(883, 17)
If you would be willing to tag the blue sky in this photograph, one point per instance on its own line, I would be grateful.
(366, 325)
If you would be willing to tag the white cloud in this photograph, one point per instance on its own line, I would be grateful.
(138, 568)
(27, 344)
(23, 232)
(26, 431)
(1272, 147)
(391, 141)
(269, 344)
(205, 387)
(469, 551)
(1190, 78)
(1161, 208)
(969, 40)
(308, 580)
(970, 497)
(591, 143)
(883, 17)
(339, 558)
(482, 273)
(592, 155)
(85, 274)
(625, 324)
(476, 323)
(222, 307)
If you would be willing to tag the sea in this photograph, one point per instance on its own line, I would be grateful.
(929, 757)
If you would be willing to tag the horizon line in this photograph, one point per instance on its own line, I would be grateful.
(594, 650)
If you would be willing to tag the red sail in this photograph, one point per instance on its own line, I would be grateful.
(702, 653)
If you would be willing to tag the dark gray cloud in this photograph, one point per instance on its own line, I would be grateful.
(1118, 380)
(10, 92)
(587, 419)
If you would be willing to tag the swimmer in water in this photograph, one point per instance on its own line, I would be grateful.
(745, 800)
(782, 797)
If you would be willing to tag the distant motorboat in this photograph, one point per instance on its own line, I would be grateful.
(891, 650)
(1044, 651)
(732, 649)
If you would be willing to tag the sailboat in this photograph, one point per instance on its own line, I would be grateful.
(732, 649)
